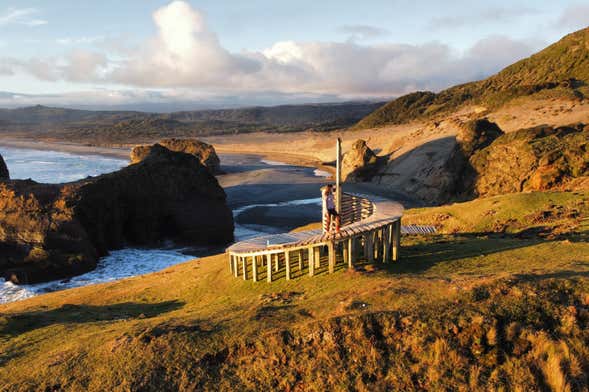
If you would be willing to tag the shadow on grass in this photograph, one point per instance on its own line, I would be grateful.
(567, 274)
(421, 256)
(18, 323)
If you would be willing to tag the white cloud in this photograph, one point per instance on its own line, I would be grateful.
(155, 100)
(186, 53)
(83, 65)
(22, 16)
(362, 32)
(574, 17)
(79, 40)
(488, 15)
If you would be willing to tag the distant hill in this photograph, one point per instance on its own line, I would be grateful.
(560, 70)
(122, 126)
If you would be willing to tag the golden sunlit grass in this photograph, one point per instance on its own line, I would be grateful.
(469, 311)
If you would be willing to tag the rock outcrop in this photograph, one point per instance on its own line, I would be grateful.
(535, 159)
(359, 164)
(476, 134)
(4, 175)
(48, 231)
(204, 152)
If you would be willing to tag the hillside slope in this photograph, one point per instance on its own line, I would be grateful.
(126, 126)
(478, 311)
(560, 70)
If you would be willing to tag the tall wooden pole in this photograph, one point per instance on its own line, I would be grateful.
(338, 177)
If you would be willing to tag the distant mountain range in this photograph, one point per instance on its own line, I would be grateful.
(560, 70)
(123, 126)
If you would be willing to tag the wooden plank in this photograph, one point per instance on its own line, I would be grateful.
(269, 268)
(300, 256)
(331, 256)
(287, 264)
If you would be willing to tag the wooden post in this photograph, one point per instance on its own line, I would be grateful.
(331, 256)
(338, 177)
(269, 267)
(351, 251)
(370, 247)
(255, 268)
(287, 262)
(317, 257)
(276, 262)
(396, 239)
(345, 253)
(311, 261)
(386, 244)
(231, 263)
(365, 239)
(244, 265)
(378, 244)
(300, 254)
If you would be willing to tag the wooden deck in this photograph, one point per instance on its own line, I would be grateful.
(371, 229)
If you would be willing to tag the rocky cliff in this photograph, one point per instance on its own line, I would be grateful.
(535, 159)
(3, 169)
(48, 231)
(483, 161)
(204, 152)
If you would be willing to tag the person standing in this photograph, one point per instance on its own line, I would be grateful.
(329, 204)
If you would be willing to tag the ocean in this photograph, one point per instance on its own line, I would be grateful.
(58, 167)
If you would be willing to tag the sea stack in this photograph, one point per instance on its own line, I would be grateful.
(359, 164)
(50, 231)
(204, 152)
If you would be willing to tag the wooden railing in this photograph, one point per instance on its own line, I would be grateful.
(355, 208)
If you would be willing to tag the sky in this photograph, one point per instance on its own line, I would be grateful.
(171, 55)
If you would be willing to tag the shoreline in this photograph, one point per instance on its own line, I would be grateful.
(73, 148)
(124, 152)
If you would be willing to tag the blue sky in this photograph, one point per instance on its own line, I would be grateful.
(231, 53)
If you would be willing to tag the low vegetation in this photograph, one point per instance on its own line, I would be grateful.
(475, 307)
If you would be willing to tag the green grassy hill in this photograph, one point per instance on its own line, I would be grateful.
(474, 308)
(560, 70)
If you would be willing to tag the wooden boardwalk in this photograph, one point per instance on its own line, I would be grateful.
(371, 230)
